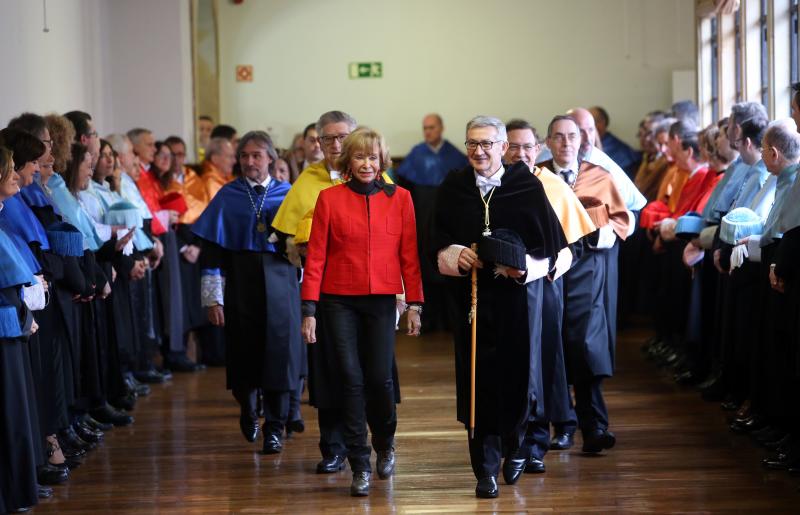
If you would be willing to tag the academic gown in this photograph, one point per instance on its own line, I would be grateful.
(19, 425)
(508, 338)
(261, 292)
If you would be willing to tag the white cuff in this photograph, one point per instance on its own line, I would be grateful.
(536, 268)
(103, 231)
(212, 290)
(754, 248)
(563, 262)
(631, 223)
(606, 238)
(447, 260)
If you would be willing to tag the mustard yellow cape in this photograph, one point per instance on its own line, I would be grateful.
(297, 210)
(575, 221)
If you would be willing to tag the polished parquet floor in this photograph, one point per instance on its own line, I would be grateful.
(185, 454)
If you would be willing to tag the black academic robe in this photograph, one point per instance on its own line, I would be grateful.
(262, 318)
(508, 346)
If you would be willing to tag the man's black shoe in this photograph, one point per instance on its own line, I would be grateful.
(487, 488)
(249, 428)
(360, 485)
(598, 440)
(385, 463)
(272, 444)
(562, 441)
(50, 475)
(534, 466)
(330, 464)
(512, 469)
(110, 415)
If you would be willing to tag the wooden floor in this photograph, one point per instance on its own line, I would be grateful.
(185, 454)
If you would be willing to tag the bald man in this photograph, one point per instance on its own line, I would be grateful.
(422, 170)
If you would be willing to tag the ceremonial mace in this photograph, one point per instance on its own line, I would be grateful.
(473, 317)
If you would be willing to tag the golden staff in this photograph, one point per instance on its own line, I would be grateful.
(473, 317)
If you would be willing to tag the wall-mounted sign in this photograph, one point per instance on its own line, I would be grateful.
(244, 73)
(373, 70)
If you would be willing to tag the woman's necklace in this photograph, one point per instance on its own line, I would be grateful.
(260, 225)
(486, 230)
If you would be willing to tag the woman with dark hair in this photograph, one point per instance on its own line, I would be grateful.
(18, 418)
(167, 208)
(363, 252)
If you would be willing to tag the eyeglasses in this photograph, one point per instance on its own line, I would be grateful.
(327, 140)
(561, 138)
(485, 145)
(92, 134)
(513, 147)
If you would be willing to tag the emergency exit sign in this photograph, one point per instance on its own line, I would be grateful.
(373, 70)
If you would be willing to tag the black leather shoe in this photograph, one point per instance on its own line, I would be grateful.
(487, 488)
(184, 364)
(50, 475)
(69, 463)
(296, 426)
(512, 469)
(778, 444)
(598, 441)
(330, 464)
(71, 439)
(748, 425)
(385, 463)
(110, 415)
(150, 376)
(781, 462)
(125, 402)
(534, 466)
(360, 485)
(249, 428)
(141, 390)
(562, 441)
(70, 451)
(96, 424)
(88, 434)
(44, 492)
(272, 444)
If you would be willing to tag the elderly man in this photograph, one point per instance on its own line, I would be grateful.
(422, 170)
(251, 290)
(217, 168)
(555, 407)
(507, 209)
(588, 316)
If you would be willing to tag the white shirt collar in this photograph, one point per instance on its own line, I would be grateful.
(696, 168)
(253, 183)
(495, 178)
(573, 166)
(335, 176)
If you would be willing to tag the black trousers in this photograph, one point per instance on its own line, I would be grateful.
(487, 450)
(361, 330)
(589, 403)
(276, 408)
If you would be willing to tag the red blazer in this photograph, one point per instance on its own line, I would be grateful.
(356, 249)
(151, 192)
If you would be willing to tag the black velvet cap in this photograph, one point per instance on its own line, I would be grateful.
(503, 247)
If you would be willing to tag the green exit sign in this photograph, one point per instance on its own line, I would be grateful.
(373, 70)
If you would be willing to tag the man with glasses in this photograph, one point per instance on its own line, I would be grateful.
(421, 171)
(312, 150)
(293, 222)
(587, 326)
(85, 133)
(487, 204)
(555, 406)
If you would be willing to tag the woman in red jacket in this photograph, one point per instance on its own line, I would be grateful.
(362, 252)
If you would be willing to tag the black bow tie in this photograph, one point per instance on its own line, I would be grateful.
(259, 189)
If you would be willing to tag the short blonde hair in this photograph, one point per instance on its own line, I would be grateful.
(6, 165)
(62, 134)
(363, 139)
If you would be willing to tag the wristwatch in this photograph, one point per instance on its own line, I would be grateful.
(415, 307)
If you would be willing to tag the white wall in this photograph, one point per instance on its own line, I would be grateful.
(528, 58)
(127, 63)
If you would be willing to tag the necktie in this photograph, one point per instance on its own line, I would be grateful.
(259, 189)
(569, 176)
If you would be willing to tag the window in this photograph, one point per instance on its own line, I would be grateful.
(714, 69)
